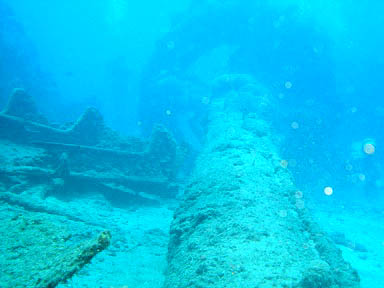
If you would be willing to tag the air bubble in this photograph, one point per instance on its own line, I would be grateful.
(369, 148)
(284, 163)
(362, 177)
(328, 191)
(299, 194)
(283, 213)
(288, 85)
(300, 204)
(295, 125)
(171, 45)
(348, 167)
(205, 100)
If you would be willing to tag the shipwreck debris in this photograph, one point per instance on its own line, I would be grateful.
(87, 156)
(21, 105)
(73, 262)
(42, 253)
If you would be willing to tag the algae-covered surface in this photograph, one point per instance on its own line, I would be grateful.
(241, 223)
(137, 254)
(35, 244)
(39, 250)
(37, 232)
(59, 202)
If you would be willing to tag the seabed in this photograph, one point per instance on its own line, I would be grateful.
(73, 216)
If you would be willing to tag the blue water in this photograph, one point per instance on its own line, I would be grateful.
(140, 63)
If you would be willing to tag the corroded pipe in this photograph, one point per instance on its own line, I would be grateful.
(241, 222)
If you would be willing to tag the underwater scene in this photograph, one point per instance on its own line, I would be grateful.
(192, 144)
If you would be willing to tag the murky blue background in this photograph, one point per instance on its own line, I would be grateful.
(146, 62)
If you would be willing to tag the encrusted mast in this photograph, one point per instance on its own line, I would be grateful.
(241, 222)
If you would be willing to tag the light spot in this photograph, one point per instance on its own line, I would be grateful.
(295, 125)
(348, 167)
(231, 132)
(168, 112)
(205, 100)
(369, 148)
(283, 213)
(288, 85)
(300, 204)
(284, 163)
(292, 163)
(171, 45)
(163, 72)
(353, 109)
(58, 181)
(351, 245)
(139, 123)
(328, 191)
(299, 194)
(310, 102)
(362, 177)
(281, 96)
